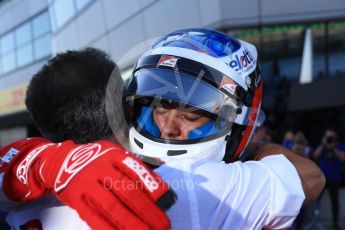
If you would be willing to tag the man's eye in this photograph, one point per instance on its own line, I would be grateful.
(190, 118)
(160, 111)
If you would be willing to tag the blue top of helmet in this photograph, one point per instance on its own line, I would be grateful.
(207, 41)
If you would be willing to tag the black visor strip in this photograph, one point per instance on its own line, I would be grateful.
(194, 69)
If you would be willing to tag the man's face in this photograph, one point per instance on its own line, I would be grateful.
(330, 138)
(176, 123)
(299, 148)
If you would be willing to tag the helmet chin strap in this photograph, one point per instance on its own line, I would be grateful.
(215, 154)
(233, 143)
(211, 150)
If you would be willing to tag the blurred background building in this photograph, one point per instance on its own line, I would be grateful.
(31, 31)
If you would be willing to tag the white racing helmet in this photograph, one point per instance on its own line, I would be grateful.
(202, 71)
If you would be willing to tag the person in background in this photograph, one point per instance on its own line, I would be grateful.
(341, 147)
(288, 139)
(330, 159)
(261, 134)
(300, 145)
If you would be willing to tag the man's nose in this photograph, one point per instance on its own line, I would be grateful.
(170, 127)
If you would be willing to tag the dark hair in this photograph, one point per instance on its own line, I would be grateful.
(66, 98)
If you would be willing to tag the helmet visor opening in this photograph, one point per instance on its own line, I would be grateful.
(171, 122)
(152, 91)
(174, 86)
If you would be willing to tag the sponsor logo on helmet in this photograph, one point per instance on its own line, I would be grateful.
(228, 84)
(242, 62)
(169, 61)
